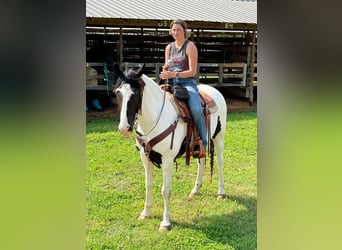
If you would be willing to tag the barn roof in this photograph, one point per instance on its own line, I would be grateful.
(221, 14)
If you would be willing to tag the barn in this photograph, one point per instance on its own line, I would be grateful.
(135, 32)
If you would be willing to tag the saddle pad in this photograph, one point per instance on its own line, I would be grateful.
(206, 99)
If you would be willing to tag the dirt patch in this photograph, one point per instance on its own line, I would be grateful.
(240, 104)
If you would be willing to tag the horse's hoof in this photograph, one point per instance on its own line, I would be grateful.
(221, 196)
(191, 196)
(165, 228)
(142, 217)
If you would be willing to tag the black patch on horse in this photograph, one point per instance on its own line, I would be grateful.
(218, 127)
(155, 158)
(182, 149)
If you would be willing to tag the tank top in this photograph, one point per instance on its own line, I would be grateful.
(179, 57)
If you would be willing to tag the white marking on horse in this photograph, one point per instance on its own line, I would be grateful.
(126, 93)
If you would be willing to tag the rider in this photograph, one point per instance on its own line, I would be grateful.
(181, 65)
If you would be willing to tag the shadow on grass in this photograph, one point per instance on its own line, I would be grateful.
(237, 229)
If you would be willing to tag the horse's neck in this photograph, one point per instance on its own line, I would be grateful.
(156, 108)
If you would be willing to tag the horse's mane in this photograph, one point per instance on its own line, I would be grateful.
(149, 81)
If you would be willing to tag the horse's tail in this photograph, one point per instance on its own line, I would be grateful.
(211, 147)
(211, 150)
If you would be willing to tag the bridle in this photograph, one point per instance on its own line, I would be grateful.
(158, 119)
(137, 83)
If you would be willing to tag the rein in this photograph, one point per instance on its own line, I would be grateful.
(159, 115)
(148, 145)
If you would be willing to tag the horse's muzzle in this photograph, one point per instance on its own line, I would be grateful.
(126, 131)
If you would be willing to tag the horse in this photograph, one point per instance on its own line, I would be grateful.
(145, 107)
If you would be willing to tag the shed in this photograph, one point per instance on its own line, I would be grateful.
(224, 31)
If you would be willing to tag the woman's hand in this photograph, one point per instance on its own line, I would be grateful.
(166, 74)
(165, 67)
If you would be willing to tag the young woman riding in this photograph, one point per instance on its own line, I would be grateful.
(181, 65)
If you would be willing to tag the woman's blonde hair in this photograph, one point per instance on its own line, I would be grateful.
(181, 23)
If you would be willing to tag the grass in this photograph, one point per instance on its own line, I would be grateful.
(115, 194)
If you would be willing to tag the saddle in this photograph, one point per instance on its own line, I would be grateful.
(209, 106)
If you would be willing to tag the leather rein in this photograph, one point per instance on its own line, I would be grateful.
(148, 145)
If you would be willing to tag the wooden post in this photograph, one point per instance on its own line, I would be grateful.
(141, 53)
(120, 47)
(157, 66)
(251, 79)
(220, 80)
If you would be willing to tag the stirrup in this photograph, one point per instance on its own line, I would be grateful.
(199, 150)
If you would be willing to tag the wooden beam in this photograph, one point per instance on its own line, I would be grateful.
(125, 22)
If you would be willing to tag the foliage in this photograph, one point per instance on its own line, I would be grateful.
(115, 194)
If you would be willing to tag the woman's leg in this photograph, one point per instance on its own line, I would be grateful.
(196, 109)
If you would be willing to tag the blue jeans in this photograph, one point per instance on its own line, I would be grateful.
(195, 106)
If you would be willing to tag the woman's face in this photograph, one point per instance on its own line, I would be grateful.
(177, 31)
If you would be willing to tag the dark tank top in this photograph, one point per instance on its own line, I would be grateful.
(179, 57)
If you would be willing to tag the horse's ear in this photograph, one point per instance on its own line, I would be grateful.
(117, 70)
(140, 70)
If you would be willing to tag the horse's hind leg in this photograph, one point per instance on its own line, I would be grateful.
(198, 182)
(148, 186)
(219, 146)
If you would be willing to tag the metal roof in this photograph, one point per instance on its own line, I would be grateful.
(224, 11)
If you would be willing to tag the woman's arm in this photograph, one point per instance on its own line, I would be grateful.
(192, 54)
(167, 57)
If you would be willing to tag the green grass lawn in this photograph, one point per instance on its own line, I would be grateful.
(115, 194)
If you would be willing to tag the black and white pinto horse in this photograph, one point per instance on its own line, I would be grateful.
(143, 102)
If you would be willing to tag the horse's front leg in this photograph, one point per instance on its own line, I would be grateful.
(199, 178)
(167, 166)
(148, 186)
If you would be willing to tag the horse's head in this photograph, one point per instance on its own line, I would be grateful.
(128, 89)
